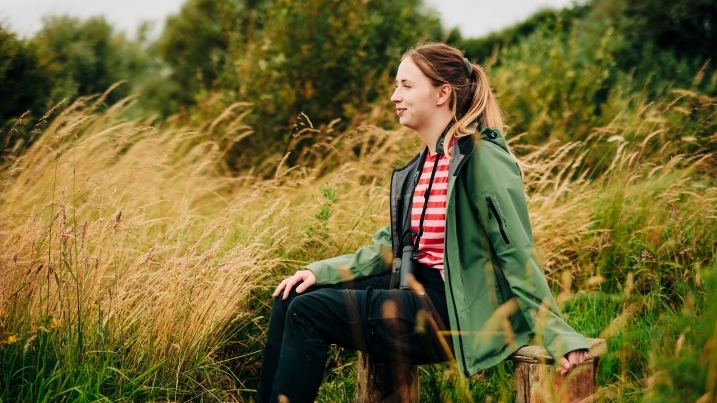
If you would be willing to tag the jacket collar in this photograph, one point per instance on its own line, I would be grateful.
(462, 149)
(493, 135)
(464, 146)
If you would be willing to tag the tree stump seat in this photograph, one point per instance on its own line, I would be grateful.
(536, 380)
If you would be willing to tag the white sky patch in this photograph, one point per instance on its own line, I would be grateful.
(477, 18)
(474, 17)
(25, 16)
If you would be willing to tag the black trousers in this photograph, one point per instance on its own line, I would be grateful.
(390, 324)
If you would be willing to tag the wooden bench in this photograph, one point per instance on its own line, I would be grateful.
(536, 380)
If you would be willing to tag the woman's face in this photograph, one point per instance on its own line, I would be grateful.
(415, 96)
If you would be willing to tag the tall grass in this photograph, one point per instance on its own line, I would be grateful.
(135, 268)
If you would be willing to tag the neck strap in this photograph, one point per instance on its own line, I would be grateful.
(408, 234)
(426, 195)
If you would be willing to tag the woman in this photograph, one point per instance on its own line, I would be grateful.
(469, 242)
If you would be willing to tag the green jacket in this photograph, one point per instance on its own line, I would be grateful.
(498, 297)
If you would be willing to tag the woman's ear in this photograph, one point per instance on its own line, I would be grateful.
(444, 94)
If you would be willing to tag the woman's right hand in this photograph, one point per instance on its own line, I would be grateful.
(305, 277)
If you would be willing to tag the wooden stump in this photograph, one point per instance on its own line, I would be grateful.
(385, 382)
(534, 374)
(536, 380)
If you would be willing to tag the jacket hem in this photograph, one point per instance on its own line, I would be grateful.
(567, 343)
(490, 362)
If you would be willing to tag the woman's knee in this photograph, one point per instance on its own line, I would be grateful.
(280, 304)
(279, 312)
(301, 303)
(308, 311)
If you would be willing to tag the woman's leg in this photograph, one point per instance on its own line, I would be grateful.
(391, 325)
(277, 321)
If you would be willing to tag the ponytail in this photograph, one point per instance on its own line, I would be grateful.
(483, 108)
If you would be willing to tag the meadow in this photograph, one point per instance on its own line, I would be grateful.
(141, 235)
(135, 267)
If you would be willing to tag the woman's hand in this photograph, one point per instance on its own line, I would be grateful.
(572, 360)
(305, 277)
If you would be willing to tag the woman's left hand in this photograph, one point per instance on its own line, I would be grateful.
(571, 360)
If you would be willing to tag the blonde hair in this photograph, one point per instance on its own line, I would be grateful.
(472, 100)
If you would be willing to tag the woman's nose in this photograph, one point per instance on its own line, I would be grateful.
(395, 97)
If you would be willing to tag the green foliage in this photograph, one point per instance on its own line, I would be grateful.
(196, 44)
(325, 58)
(684, 361)
(689, 28)
(87, 57)
(51, 364)
(659, 43)
(576, 84)
(548, 20)
(321, 57)
(330, 197)
(561, 93)
(567, 71)
(24, 86)
(66, 59)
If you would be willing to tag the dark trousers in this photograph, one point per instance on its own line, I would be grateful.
(366, 315)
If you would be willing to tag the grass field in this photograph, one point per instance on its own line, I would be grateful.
(136, 267)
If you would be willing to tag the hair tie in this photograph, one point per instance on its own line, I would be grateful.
(469, 67)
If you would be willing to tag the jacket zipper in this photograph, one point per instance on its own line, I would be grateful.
(450, 287)
(491, 207)
(458, 325)
(390, 211)
(455, 312)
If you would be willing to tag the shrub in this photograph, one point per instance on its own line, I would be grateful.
(326, 58)
(87, 57)
(24, 85)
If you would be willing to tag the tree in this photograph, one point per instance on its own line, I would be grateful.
(196, 45)
(87, 57)
(326, 58)
(481, 49)
(662, 44)
(23, 83)
(688, 28)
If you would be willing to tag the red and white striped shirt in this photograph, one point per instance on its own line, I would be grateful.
(430, 250)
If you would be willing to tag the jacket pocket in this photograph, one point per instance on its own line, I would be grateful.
(493, 212)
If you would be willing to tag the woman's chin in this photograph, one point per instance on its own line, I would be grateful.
(406, 123)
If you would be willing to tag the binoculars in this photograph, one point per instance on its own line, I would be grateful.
(408, 266)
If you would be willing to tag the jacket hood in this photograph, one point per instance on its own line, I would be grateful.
(491, 134)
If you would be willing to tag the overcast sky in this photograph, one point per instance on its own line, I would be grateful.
(473, 17)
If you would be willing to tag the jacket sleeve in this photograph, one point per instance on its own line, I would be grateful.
(503, 212)
(368, 261)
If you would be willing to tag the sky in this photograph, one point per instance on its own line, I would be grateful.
(475, 18)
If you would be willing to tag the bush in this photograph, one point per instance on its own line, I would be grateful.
(661, 44)
(68, 58)
(23, 84)
(87, 57)
(328, 59)
(196, 45)
(548, 20)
